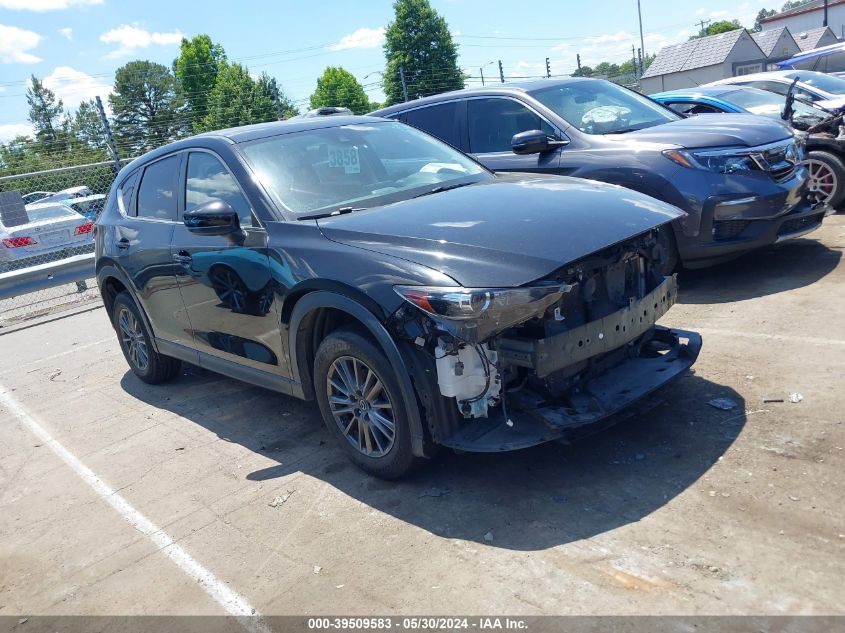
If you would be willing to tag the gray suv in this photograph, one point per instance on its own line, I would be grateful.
(738, 177)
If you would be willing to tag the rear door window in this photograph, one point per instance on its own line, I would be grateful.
(157, 192)
(493, 123)
(439, 120)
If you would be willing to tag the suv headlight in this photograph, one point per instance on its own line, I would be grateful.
(719, 161)
(474, 303)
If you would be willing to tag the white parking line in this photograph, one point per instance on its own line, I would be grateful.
(233, 603)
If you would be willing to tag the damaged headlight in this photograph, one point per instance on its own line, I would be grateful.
(719, 161)
(475, 303)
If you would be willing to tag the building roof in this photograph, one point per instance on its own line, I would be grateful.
(697, 53)
(767, 40)
(807, 7)
(809, 39)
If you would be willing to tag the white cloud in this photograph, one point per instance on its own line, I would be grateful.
(361, 38)
(72, 86)
(40, 6)
(619, 36)
(14, 44)
(8, 131)
(130, 38)
(66, 33)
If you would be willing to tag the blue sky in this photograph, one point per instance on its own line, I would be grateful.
(76, 45)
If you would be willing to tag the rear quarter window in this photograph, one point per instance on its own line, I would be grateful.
(124, 194)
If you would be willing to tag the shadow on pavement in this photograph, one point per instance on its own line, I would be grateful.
(770, 270)
(526, 500)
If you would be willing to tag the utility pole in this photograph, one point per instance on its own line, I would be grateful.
(404, 85)
(634, 60)
(501, 72)
(703, 24)
(640, 16)
(641, 61)
(109, 137)
(548, 69)
(825, 13)
(481, 70)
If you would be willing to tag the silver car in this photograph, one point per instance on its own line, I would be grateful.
(53, 232)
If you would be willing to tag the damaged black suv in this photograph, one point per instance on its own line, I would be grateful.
(419, 298)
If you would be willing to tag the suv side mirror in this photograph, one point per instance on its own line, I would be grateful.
(534, 142)
(214, 217)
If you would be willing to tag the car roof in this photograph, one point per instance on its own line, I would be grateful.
(777, 75)
(702, 91)
(493, 89)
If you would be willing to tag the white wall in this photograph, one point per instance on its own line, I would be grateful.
(812, 20)
(686, 79)
(745, 51)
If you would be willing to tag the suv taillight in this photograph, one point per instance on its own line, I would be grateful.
(82, 229)
(17, 242)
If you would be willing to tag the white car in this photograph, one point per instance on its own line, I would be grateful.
(826, 91)
(53, 231)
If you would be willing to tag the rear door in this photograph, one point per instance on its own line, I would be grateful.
(493, 121)
(226, 281)
(445, 121)
(148, 200)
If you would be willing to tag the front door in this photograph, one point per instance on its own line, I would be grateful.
(225, 281)
(493, 122)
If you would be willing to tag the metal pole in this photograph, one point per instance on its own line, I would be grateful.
(404, 85)
(825, 13)
(481, 70)
(640, 15)
(109, 138)
(501, 72)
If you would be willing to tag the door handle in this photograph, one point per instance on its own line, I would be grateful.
(123, 244)
(182, 257)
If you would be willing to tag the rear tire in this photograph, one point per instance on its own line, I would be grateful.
(362, 405)
(136, 343)
(827, 177)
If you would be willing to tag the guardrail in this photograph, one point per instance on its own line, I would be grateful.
(77, 268)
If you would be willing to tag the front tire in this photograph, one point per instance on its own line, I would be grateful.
(136, 343)
(827, 177)
(361, 404)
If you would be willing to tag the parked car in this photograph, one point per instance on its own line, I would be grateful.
(826, 91)
(825, 151)
(35, 196)
(52, 232)
(366, 265)
(825, 59)
(60, 196)
(89, 206)
(598, 130)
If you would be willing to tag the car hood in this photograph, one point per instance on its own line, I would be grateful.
(712, 130)
(832, 103)
(505, 232)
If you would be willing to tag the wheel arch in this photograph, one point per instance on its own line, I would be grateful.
(319, 312)
(112, 281)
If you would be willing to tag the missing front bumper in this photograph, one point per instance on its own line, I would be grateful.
(535, 420)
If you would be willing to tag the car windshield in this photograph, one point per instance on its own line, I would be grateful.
(356, 166)
(770, 104)
(52, 212)
(601, 107)
(828, 83)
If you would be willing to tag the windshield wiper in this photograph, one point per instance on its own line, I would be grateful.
(329, 214)
(442, 188)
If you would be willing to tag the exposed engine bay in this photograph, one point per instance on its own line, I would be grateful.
(528, 360)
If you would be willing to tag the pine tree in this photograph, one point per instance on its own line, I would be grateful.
(45, 112)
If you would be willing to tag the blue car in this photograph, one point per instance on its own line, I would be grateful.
(825, 157)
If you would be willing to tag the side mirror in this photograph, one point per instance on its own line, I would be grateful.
(214, 217)
(534, 142)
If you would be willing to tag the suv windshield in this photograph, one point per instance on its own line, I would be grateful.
(770, 104)
(601, 107)
(356, 166)
(828, 83)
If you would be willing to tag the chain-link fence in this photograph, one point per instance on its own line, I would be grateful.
(47, 239)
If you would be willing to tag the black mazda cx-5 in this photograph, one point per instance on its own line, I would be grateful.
(419, 298)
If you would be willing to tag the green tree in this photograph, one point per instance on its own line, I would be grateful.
(722, 26)
(86, 128)
(338, 87)
(418, 41)
(238, 99)
(196, 70)
(45, 112)
(285, 108)
(793, 4)
(762, 14)
(147, 109)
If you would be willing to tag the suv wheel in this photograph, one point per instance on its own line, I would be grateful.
(361, 404)
(135, 341)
